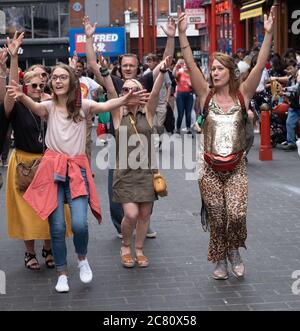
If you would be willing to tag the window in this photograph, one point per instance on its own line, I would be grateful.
(45, 18)
(173, 5)
(18, 18)
(39, 20)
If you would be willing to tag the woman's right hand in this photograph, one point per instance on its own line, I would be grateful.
(137, 98)
(14, 44)
(182, 20)
(14, 90)
(89, 29)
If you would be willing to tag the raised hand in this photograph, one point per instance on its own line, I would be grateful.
(139, 98)
(102, 61)
(14, 44)
(182, 20)
(269, 21)
(14, 90)
(73, 61)
(89, 29)
(170, 28)
(166, 63)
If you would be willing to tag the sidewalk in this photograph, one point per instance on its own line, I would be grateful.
(179, 275)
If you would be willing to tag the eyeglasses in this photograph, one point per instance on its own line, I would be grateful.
(60, 77)
(35, 86)
(126, 89)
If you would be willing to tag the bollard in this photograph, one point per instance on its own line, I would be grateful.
(265, 151)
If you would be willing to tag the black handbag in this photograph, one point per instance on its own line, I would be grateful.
(169, 123)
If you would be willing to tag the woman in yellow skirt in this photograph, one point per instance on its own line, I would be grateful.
(29, 134)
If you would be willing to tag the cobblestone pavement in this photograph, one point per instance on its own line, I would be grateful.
(179, 276)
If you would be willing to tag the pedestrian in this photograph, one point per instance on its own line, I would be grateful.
(184, 95)
(133, 183)
(128, 67)
(224, 183)
(29, 134)
(64, 172)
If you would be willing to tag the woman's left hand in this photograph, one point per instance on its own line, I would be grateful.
(269, 21)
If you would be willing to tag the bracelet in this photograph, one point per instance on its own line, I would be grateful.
(104, 72)
(163, 70)
(184, 47)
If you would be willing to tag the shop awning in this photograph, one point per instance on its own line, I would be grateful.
(251, 9)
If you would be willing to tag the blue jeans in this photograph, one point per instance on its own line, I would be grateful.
(78, 208)
(184, 102)
(116, 210)
(291, 123)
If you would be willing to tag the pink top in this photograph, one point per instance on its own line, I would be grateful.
(41, 195)
(64, 135)
(183, 82)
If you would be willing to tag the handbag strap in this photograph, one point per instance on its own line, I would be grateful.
(132, 121)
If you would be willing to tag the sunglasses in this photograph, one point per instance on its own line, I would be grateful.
(44, 75)
(35, 86)
(126, 90)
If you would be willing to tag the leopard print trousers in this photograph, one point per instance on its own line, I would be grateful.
(225, 195)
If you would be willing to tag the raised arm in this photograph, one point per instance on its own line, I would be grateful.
(16, 94)
(89, 48)
(154, 95)
(248, 87)
(3, 69)
(106, 77)
(170, 31)
(13, 47)
(199, 83)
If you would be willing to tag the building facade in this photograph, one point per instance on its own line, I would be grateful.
(46, 27)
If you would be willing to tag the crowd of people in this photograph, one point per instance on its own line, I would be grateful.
(51, 116)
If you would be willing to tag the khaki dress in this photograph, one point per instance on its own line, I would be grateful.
(133, 178)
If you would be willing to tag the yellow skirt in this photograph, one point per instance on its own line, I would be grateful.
(22, 221)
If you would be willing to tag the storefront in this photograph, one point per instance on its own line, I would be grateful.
(47, 54)
(251, 13)
(229, 29)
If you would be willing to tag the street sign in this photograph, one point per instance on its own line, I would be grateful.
(195, 15)
(109, 41)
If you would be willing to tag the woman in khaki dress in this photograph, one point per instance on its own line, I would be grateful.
(132, 183)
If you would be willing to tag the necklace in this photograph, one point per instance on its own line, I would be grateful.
(39, 128)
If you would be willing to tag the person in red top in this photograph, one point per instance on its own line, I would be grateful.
(184, 95)
(66, 115)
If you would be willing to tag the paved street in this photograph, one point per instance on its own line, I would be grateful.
(179, 275)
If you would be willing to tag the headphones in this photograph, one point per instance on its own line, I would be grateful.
(129, 55)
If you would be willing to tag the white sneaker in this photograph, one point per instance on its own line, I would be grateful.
(298, 146)
(62, 284)
(85, 272)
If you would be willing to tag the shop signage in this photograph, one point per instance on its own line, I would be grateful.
(109, 41)
(195, 14)
(222, 7)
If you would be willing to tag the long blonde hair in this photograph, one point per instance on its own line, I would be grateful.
(234, 73)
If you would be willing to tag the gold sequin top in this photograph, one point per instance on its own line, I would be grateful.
(224, 133)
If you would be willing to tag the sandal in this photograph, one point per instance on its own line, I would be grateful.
(30, 257)
(141, 260)
(49, 260)
(126, 259)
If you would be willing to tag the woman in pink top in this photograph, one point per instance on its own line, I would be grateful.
(184, 96)
(65, 138)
